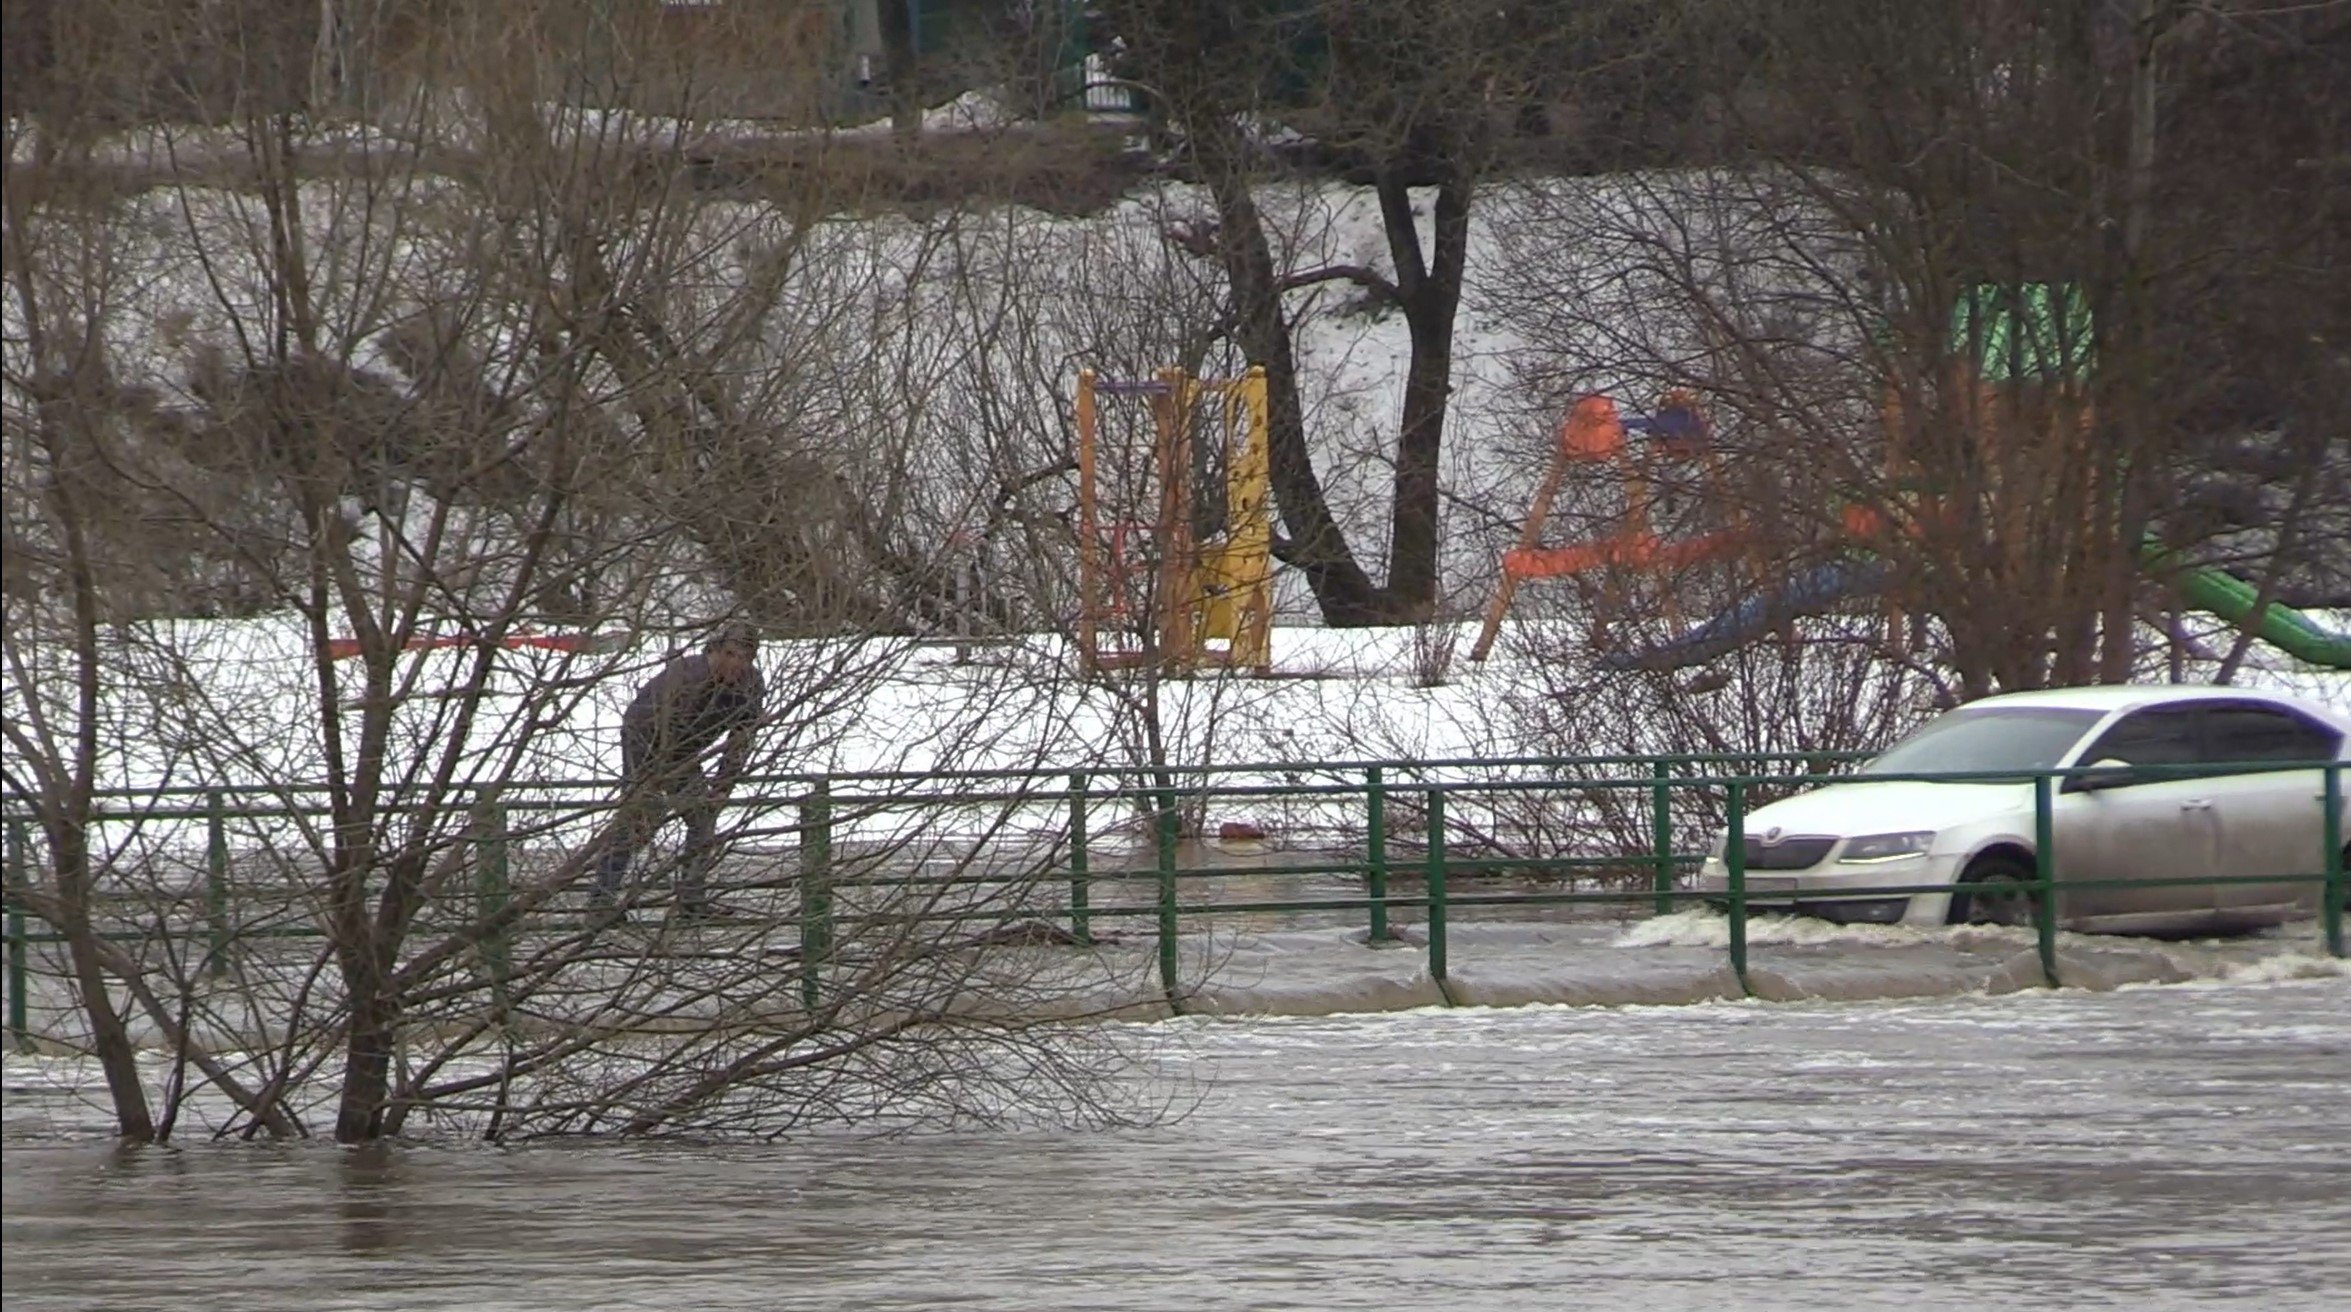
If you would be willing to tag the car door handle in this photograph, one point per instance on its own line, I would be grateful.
(2199, 804)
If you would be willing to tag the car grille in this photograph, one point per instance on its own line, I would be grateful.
(1799, 852)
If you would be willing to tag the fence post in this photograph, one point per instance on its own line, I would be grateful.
(1436, 882)
(1661, 834)
(816, 887)
(20, 1030)
(216, 883)
(2331, 826)
(1375, 851)
(2045, 879)
(1080, 922)
(490, 890)
(1734, 860)
(1163, 828)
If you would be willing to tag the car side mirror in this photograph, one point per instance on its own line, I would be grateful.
(2105, 773)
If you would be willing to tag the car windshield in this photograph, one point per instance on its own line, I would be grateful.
(1986, 740)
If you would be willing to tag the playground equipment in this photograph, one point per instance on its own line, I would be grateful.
(1817, 589)
(2232, 599)
(1175, 530)
(1595, 433)
(2019, 359)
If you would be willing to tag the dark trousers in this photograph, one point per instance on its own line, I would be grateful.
(653, 789)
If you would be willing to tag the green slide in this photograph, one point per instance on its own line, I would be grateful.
(2282, 627)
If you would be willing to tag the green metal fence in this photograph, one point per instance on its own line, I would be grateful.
(1640, 851)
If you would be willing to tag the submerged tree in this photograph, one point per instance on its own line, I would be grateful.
(469, 403)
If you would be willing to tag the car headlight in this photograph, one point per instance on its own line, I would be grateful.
(1888, 847)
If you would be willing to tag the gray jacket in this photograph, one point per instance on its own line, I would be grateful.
(681, 711)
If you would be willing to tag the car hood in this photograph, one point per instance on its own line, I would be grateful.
(1891, 807)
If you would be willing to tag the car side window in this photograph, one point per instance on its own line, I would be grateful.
(2261, 733)
(2163, 735)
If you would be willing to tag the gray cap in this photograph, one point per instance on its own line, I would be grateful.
(739, 632)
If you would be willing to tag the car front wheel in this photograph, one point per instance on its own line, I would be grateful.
(1997, 890)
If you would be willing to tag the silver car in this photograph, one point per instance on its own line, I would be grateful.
(2134, 833)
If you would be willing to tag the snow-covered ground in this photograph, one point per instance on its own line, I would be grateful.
(235, 704)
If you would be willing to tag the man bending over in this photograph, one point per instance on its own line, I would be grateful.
(676, 719)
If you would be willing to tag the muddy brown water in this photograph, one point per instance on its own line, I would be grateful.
(2150, 1148)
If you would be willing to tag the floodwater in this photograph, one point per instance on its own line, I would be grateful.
(2171, 1147)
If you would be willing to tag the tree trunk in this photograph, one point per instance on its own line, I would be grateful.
(1316, 547)
(69, 807)
(367, 1058)
(2121, 614)
(1431, 295)
(902, 64)
(327, 71)
(117, 1060)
